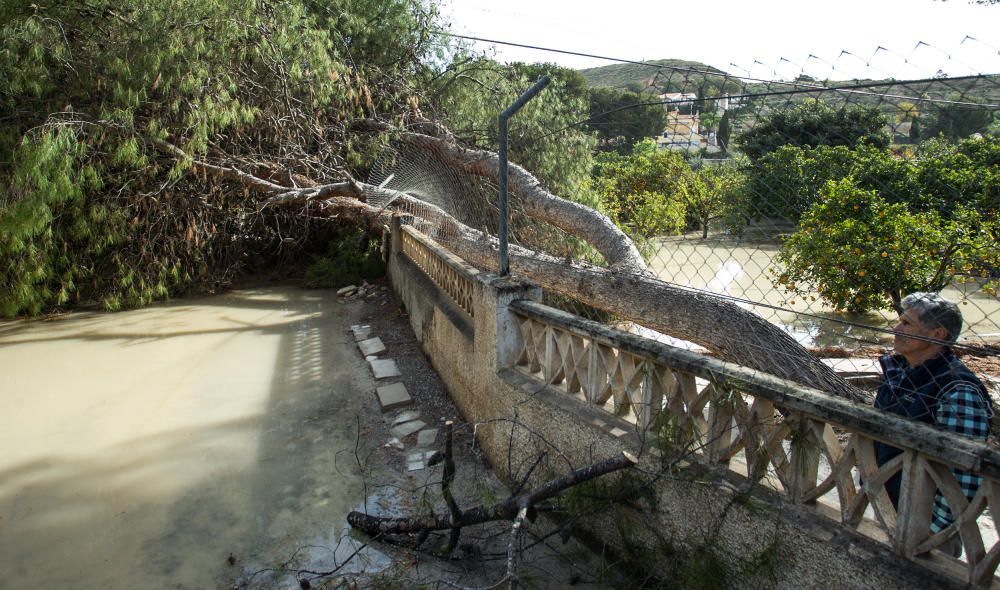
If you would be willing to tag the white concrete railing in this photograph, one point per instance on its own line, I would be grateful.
(449, 272)
(811, 447)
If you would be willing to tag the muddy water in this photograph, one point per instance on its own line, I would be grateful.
(741, 270)
(142, 449)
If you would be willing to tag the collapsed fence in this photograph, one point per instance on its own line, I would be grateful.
(817, 207)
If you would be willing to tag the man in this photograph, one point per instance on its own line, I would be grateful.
(924, 381)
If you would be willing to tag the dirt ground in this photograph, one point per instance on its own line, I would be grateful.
(481, 559)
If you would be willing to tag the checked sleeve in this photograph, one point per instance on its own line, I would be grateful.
(962, 411)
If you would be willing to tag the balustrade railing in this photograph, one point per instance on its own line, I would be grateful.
(813, 448)
(450, 273)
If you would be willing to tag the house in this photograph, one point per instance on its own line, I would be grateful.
(681, 133)
(674, 100)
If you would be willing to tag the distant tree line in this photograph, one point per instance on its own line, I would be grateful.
(872, 225)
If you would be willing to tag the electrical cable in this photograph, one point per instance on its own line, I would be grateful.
(798, 88)
(804, 86)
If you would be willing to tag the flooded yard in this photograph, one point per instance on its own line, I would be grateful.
(175, 446)
(738, 269)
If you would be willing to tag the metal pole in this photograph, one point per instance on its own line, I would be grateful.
(507, 114)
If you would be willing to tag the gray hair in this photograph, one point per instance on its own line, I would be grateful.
(935, 311)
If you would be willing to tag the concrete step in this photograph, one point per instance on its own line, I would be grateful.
(393, 396)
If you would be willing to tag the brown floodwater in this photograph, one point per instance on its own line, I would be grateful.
(141, 449)
(742, 271)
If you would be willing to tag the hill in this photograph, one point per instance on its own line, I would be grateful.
(663, 75)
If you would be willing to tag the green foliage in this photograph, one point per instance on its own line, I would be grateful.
(472, 93)
(815, 124)
(950, 174)
(944, 175)
(675, 436)
(93, 211)
(725, 131)
(621, 118)
(350, 257)
(704, 569)
(710, 194)
(642, 192)
(861, 252)
(785, 182)
(954, 121)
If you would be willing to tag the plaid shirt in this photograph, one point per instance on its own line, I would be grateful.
(941, 392)
(963, 411)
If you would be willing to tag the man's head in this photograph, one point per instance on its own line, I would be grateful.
(927, 315)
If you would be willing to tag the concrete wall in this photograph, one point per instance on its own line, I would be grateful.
(700, 514)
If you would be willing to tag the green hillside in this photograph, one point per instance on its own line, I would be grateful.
(663, 75)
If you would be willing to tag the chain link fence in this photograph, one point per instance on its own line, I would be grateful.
(816, 204)
(844, 196)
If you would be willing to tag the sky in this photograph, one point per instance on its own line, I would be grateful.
(769, 39)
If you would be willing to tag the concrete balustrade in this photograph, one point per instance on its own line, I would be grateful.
(746, 462)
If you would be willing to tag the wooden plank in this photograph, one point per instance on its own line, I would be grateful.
(873, 480)
(982, 573)
(653, 394)
(607, 361)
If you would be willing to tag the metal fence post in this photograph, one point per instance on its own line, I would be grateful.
(504, 116)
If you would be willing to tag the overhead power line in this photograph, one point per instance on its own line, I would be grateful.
(799, 87)
(797, 84)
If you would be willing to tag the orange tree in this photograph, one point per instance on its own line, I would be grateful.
(641, 191)
(860, 252)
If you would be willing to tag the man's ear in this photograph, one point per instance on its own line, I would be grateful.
(940, 333)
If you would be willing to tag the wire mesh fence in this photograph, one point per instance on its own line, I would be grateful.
(815, 204)
(771, 216)
(832, 219)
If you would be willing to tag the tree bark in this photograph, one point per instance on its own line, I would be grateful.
(592, 226)
(729, 331)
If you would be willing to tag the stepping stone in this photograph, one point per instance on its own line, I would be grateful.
(408, 416)
(361, 332)
(346, 290)
(392, 396)
(404, 430)
(371, 346)
(417, 461)
(426, 438)
(385, 368)
(395, 443)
